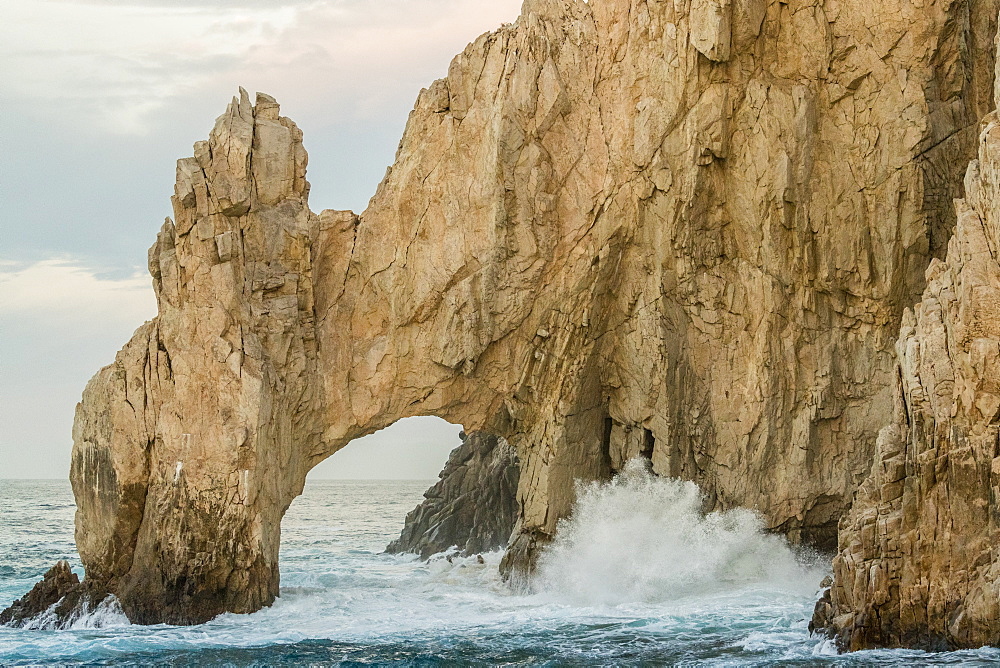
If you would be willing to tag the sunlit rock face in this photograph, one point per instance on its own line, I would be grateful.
(918, 564)
(187, 448)
(686, 231)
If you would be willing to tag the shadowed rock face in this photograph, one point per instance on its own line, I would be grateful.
(617, 228)
(918, 565)
(472, 507)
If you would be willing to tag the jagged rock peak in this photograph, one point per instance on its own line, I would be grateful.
(181, 445)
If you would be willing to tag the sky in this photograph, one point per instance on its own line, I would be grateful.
(99, 98)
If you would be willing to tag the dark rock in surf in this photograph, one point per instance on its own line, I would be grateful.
(822, 619)
(472, 507)
(59, 595)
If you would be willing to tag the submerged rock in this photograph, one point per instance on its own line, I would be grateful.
(56, 601)
(472, 507)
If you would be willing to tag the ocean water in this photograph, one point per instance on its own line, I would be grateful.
(637, 577)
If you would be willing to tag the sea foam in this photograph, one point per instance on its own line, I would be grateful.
(637, 576)
(644, 539)
(106, 614)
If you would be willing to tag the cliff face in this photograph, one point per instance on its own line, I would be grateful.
(187, 449)
(917, 564)
(473, 507)
(680, 230)
(612, 241)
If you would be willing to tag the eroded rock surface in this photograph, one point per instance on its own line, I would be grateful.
(189, 448)
(617, 228)
(918, 563)
(473, 507)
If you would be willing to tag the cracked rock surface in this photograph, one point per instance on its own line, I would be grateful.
(917, 565)
(686, 231)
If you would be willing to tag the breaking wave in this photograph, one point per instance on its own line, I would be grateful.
(105, 615)
(642, 538)
(638, 576)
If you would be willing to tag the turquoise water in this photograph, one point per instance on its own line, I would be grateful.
(638, 578)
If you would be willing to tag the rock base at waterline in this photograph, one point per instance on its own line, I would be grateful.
(59, 594)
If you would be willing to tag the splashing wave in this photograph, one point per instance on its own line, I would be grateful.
(641, 538)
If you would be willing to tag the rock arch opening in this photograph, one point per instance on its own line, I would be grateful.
(355, 501)
(414, 448)
(455, 491)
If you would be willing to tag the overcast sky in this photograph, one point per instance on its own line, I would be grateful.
(99, 98)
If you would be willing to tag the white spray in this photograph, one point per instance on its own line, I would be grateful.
(644, 539)
(106, 614)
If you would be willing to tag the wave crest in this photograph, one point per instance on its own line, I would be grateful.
(106, 614)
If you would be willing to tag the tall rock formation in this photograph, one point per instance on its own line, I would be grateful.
(918, 563)
(473, 507)
(684, 230)
(187, 450)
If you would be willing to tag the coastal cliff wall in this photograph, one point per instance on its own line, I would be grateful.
(917, 565)
(625, 227)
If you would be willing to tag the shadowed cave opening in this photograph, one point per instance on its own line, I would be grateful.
(421, 486)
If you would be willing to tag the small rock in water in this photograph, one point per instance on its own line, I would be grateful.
(57, 582)
(472, 507)
(59, 593)
(822, 620)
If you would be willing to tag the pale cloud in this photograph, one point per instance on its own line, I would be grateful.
(120, 64)
(61, 290)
